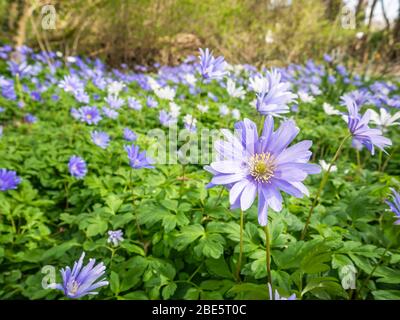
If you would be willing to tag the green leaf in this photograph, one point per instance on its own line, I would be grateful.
(137, 295)
(314, 260)
(96, 226)
(211, 245)
(386, 294)
(120, 220)
(192, 294)
(324, 287)
(340, 261)
(219, 267)
(114, 282)
(132, 248)
(188, 235)
(113, 203)
(251, 291)
(170, 204)
(169, 290)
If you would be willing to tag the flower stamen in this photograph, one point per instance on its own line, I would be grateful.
(262, 167)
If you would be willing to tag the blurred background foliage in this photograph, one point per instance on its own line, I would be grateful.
(260, 32)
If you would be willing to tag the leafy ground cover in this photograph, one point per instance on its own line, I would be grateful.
(69, 131)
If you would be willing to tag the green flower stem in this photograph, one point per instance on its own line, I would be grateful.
(388, 159)
(268, 254)
(239, 263)
(139, 230)
(67, 186)
(322, 185)
(195, 271)
(380, 160)
(261, 125)
(182, 181)
(112, 256)
(188, 282)
(379, 262)
(219, 197)
(13, 224)
(358, 160)
(19, 88)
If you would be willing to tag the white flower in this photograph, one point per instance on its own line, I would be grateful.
(223, 110)
(359, 35)
(325, 166)
(305, 97)
(190, 79)
(115, 87)
(329, 110)
(235, 69)
(315, 89)
(258, 83)
(154, 85)
(188, 119)
(166, 93)
(202, 108)
(175, 110)
(236, 114)
(269, 37)
(233, 91)
(384, 119)
(71, 59)
(59, 54)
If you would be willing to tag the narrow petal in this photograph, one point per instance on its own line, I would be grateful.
(248, 195)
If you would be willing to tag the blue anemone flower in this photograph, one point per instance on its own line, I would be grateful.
(101, 139)
(81, 281)
(395, 205)
(138, 160)
(8, 180)
(77, 167)
(210, 67)
(249, 164)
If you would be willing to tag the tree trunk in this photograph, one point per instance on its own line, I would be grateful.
(371, 14)
(361, 11)
(332, 9)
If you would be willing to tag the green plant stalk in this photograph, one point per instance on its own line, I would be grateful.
(322, 185)
(358, 160)
(182, 181)
(195, 272)
(380, 160)
(112, 256)
(239, 263)
(261, 125)
(219, 197)
(268, 254)
(19, 88)
(385, 164)
(378, 263)
(133, 204)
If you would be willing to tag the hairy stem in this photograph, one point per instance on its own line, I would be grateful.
(239, 263)
(139, 230)
(322, 185)
(268, 254)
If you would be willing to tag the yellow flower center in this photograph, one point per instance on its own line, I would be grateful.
(75, 287)
(262, 167)
(88, 116)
